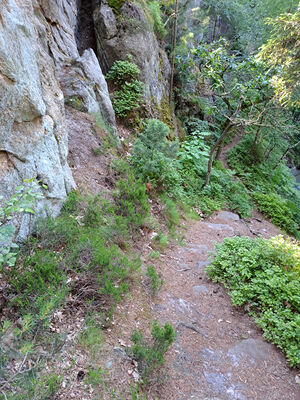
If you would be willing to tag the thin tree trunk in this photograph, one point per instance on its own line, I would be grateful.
(173, 49)
(214, 31)
(257, 133)
(220, 147)
(212, 151)
(226, 128)
(267, 155)
(285, 153)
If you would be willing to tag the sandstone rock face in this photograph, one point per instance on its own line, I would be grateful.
(130, 33)
(38, 48)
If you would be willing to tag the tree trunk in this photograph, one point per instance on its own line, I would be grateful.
(173, 49)
(285, 153)
(220, 147)
(257, 134)
(212, 151)
(226, 128)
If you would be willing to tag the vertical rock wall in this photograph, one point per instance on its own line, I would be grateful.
(41, 68)
(130, 33)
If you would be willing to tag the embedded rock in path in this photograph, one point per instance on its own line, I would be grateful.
(220, 227)
(199, 290)
(253, 350)
(202, 264)
(227, 216)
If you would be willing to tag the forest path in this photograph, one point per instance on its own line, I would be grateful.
(219, 353)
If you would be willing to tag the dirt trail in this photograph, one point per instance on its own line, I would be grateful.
(218, 353)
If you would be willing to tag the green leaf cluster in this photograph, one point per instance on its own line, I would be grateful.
(22, 201)
(155, 279)
(150, 357)
(264, 276)
(153, 154)
(155, 11)
(131, 201)
(129, 90)
(278, 210)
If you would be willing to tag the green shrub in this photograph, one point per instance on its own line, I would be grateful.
(154, 9)
(274, 187)
(156, 281)
(129, 91)
(116, 5)
(170, 212)
(34, 388)
(36, 275)
(161, 241)
(151, 356)
(128, 98)
(264, 275)
(132, 201)
(123, 71)
(153, 153)
(278, 210)
(23, 201)
(71, 204)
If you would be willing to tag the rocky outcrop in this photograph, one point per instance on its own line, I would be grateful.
(130, 33)
(41, 68)
(70, 33)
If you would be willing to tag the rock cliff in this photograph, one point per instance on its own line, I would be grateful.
(41, 69)
(129, 32)
(52, 53)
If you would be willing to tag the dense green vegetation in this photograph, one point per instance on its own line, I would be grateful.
(128, 89)
(264, 276)
(226, 89)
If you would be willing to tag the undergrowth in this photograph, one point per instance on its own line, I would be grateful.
(73, 258)
(150, 355)
(264, 276)
(273, 189)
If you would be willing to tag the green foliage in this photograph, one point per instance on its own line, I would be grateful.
(76, 255)
(132, 201)
(281, 52)
(156, 281)
(194, 148)
(273, 190)
(23, 201)
(154, 9)
(95, 376)
(170, 212)
(38, 274)
(153, 153)
(128, 98)
(91, 338)
(76, 102)
(116, 5)
(36, 388)
(264, 275)
(154, 254)
(123, 71)
(161, 241)
(151, 356)
(124, 74)
(277, 209)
